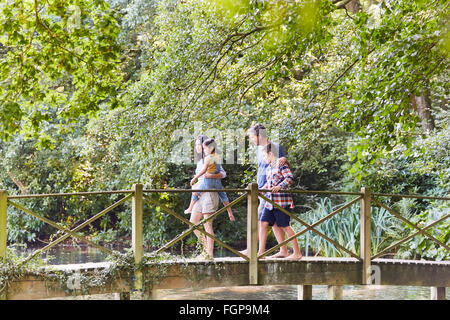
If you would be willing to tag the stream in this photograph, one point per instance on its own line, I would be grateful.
(68, 254)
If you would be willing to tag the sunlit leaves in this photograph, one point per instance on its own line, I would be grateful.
(397, 58)
(231, 8)
(56, 53)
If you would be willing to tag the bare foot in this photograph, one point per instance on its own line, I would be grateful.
(244, 252)
(209, 257)
(199, 258)
(202, 257)
(294, 257)
(187, 211)
(279, 255)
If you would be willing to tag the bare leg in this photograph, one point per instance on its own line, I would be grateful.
(195, 219)
(191, 205)
(263, 231)
(245, 251)
(209, 241)
(260, 207)
(297, 254)
(279, 235)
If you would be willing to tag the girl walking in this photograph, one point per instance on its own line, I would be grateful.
(278, 177)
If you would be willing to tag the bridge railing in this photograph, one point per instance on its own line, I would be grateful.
(138, 195)
(420, 231)
(199, 226)
(367, 201)
(11, 200)
(363, 197)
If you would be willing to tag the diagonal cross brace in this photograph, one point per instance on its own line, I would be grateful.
(196, 226)
(345, 206)
(309, 227)
(422, 231)
(67, 232)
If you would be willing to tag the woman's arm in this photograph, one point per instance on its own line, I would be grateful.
(288, 177)
(219, 175)
(282, 162)
(286, 180)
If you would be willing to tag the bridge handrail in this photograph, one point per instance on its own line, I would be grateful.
(333, 192)
(47, 195)
(417, 196)
(137, 194)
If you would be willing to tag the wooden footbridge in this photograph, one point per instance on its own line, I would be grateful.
(149, 275)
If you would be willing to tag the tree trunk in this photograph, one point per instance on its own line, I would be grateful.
(353, 6)
(422, 105)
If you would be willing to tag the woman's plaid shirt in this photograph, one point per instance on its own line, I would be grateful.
(279, 176)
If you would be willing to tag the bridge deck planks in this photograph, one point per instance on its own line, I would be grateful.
(233, 271)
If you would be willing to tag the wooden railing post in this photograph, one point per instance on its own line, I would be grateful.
(365, 234)
(437, 293)
(304, 292)
(3, 216)
(252, 232)
(137, 229)
(334, 292)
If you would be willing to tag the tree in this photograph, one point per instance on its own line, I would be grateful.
(55, 54)
(305, 67)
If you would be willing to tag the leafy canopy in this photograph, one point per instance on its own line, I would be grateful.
(55, 54)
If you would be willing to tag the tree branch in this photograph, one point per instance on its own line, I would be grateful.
(341, 5)
(338, 78)
(18, 183)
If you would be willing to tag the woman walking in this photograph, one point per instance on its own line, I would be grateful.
(207, 203)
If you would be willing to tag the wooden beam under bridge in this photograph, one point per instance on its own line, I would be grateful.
(223, 272)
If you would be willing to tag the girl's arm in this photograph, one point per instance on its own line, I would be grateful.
(202, 172)
(221, 175)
